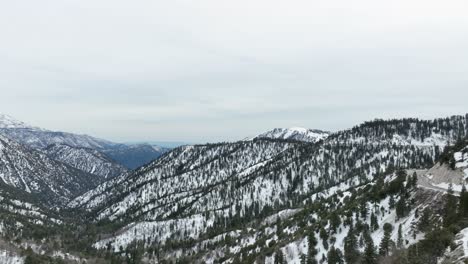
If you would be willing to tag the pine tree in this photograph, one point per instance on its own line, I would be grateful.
(335, 256)
(392, 202)
(413, 255)
(463, 202)
(335, 221)
(450, 210)
(374, 222)
(414, 180)
(324, 237)
(425, 222)
(279, 257)
(312, 252)
(401, 208)
(363, 210)
(369, 256)
(384, 249)
(400, 238)
(351, 252)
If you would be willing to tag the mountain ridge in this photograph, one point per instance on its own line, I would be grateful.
(384, 185)
(196, 190)
(130, 156)
(295, 133)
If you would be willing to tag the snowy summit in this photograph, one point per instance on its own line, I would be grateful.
(296, 133)
(7, 121)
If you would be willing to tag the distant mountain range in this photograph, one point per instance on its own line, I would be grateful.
(130, 156)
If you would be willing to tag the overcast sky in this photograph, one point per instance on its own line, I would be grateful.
(212, 70)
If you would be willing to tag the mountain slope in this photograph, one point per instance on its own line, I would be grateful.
(85, 159)
(380, 190)
(186, 172)
(296, 133)
(199, 190)
(34, 172)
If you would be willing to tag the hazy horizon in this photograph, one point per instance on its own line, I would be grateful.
(180, 142)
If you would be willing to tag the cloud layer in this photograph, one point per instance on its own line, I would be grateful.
(221, 70)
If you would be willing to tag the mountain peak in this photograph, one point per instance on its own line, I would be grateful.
(296, 133)
(7, 121)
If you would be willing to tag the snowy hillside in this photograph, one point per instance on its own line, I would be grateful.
(7, 257)
(194, 191)
(295, 133)
(461, 161)
(34, 172)
(376, 193)
(85, 159)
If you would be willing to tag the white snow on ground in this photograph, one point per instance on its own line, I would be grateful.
(463, 240)
(293, 251)
(67, 256)
(446, 186)
(7, 257)
(160, 230)
(7, 121)
(295, 133)
(281, 215)
(434, 139)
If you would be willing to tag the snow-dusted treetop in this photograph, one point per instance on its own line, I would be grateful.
(296, 133)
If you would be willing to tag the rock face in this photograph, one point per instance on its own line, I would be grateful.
(459, 255)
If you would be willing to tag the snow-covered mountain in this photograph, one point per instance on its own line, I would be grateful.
(127, 155)
(7, 121)
(34, 172)
(375, 193)
(296, 133)
(39, 138)
(86, 159)
(196, 192)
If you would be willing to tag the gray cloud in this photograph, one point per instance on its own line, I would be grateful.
(222, 70)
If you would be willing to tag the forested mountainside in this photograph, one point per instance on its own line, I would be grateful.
(34, 172)
(201, 191)
(386, 191)
(86, 159)
(295, 133)
(127, 155)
